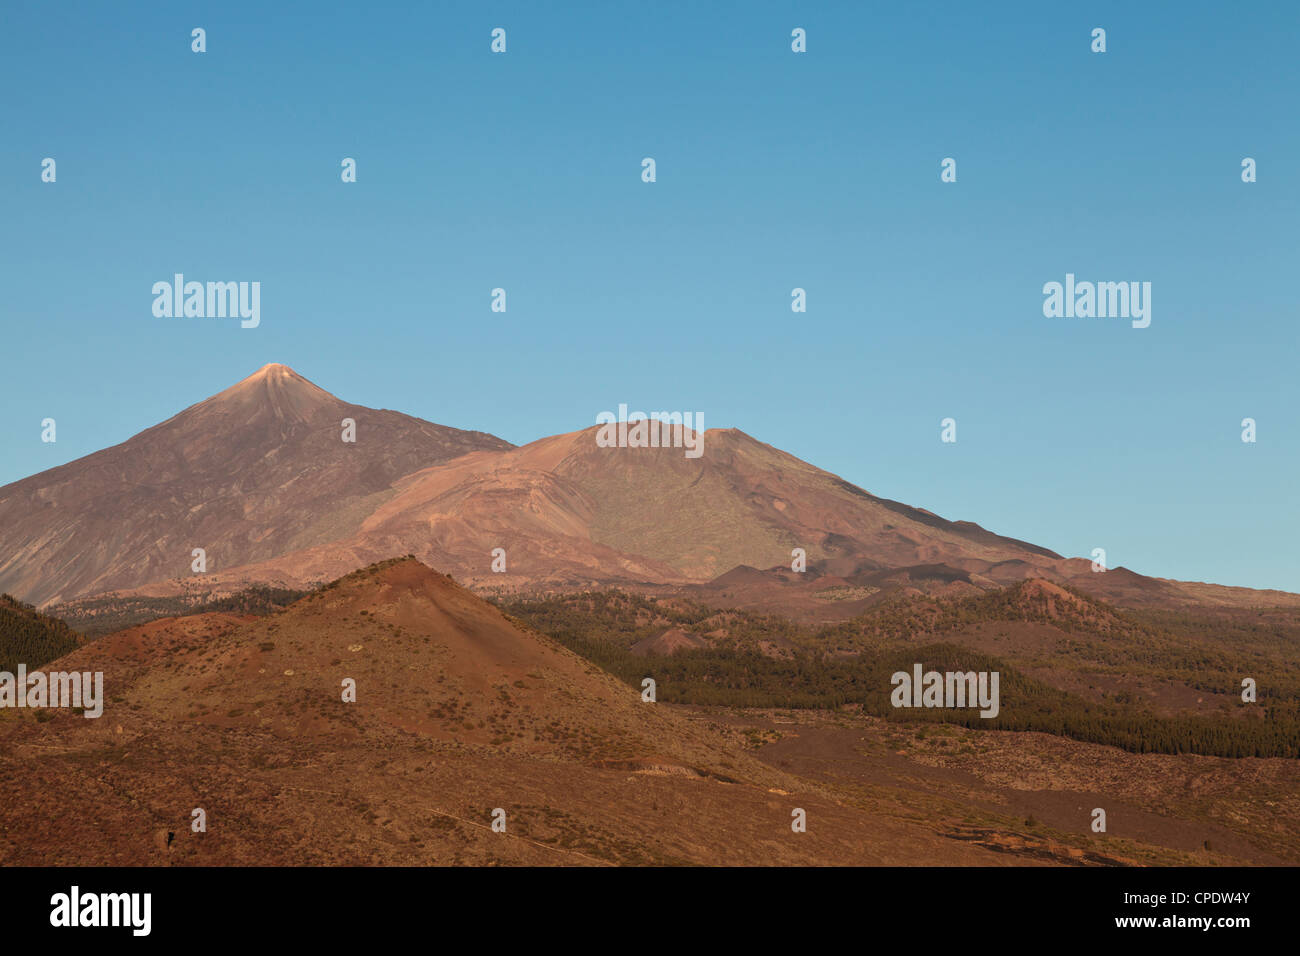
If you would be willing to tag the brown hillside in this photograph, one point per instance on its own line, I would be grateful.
(253, 472)
(458, 712)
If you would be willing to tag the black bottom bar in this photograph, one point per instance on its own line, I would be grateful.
(656, 907)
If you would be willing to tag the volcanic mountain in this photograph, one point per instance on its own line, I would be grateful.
(254, 472)
(259, 476)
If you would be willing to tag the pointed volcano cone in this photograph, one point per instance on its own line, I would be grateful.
(250, 473)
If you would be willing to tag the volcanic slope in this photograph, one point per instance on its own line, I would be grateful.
(458, 713)
(570, 512)
(255, 471)
(261, 478)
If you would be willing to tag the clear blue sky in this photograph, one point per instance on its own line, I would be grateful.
(775, 170)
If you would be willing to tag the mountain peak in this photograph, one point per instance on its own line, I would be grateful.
(288, 394)
(274, 370)
(274, 373)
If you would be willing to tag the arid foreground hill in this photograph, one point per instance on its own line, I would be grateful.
(459, 712)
